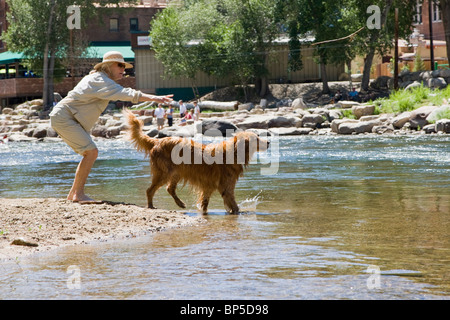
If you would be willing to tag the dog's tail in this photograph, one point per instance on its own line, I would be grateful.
(141, 141)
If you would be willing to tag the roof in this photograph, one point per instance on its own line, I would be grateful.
(98, 49)
(95, 50)
(10, 57)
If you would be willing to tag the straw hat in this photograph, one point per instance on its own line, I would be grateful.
(113, 56)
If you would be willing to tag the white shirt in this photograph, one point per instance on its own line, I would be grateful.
(182, 108)
(159, 113)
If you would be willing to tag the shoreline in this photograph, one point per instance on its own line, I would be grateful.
(36, 225)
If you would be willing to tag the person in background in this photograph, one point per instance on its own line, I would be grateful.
(196, 111)
(182, 109)
(75, 115)
(170, 115)
(160, 116)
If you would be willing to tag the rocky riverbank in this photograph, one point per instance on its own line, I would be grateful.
(299, 116)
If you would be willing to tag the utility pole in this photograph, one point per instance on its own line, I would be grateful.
(396, 51)
(430, 21)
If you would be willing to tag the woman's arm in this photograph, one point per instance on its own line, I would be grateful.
(158, 99)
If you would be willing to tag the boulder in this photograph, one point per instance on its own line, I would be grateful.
(290, 131)
(400, 120)
(280, 122)
(40, 132)
(443, 125)
(299, 104)
(437, 83)
(363, 110)
(429, 128)
(382, 129)
(254, 122)
(435, 114)
(218, 128)
(7, 110)
(418, 117)
(336, 123)
(415, 84)
(357, 127)
(312, 120)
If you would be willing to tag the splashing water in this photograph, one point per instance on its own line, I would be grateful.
(249, 204)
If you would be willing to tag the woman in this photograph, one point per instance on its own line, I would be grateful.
(75, 115)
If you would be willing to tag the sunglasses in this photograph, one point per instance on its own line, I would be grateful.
(121, 65)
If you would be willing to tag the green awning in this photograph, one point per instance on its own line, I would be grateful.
(97, 50)
(10, 57)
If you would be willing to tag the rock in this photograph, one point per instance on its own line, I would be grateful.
(363, 110)
(443, 125)
(444, 73)
(415, 84)
(246, 106)
(382, 129)
(51, 133)
(429, 128)
(292, 131)
(434, 115)
(152, 132)
(437, 83)
(357, 77)
(218, 128)
(112, 132)
(346, 104)
(99, 131)
(254, 122)
(312, 119)
(22, 242)
(400, 120)
(299, 104)
(40, 132)
(7, 111)
(280, 122)
(334, 114)
(381, 82)
(336, 123)
(418, 117)
(356, 127)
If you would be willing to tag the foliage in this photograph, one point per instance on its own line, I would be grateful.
(229, 38)
(411, 99)
(419, 65)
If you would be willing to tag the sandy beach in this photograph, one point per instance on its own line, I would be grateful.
(30, 226)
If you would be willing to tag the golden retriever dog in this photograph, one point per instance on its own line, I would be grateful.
(207, 168)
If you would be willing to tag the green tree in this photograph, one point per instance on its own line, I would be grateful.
(328, 21)
(380, 39)
(229, 38)
(38, 28)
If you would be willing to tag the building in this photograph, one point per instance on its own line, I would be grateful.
(113, 31)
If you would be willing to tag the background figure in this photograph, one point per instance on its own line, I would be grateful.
(160, 116)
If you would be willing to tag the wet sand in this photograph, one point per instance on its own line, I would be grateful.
(29, 226)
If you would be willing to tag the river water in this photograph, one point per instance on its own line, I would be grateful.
(335, 217)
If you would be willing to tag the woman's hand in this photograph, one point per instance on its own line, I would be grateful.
(159, 99)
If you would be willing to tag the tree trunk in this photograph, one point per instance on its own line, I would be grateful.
(445, 9)
(261, 86)
(323, 73)
(373, 40)
(47, 91)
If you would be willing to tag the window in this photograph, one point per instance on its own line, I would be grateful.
(134, 24)
(418, 16)
(436, 11)
(113, 25)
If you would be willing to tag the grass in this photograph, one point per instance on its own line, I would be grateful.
(408, 100)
